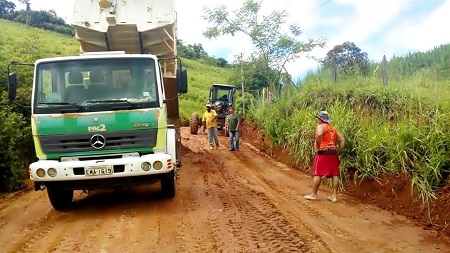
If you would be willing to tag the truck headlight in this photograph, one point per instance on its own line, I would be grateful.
(146, 166)
(157, 165)
(52, 172)
(40, 172)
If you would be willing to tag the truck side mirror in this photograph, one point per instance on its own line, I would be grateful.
(182, 81)
(12, 86)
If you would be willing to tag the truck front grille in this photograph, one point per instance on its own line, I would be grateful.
(112, 140)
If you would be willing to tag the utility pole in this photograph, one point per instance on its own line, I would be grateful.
(242, 84)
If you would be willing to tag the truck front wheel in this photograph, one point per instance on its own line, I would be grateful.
(168, 184)
(60, 199)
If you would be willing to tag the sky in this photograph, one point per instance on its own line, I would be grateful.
(378, 27)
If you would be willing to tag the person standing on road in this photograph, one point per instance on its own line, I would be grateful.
(233, 124)
(210, 123)
(326, 163)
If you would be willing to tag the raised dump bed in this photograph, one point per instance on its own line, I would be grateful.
(133, 26)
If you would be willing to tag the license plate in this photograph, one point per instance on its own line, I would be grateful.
(99, 170)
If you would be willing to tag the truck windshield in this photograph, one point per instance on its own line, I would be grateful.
(95, 85)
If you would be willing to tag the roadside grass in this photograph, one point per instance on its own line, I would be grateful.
(401, 128)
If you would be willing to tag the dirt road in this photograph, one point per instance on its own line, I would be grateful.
(226, 202)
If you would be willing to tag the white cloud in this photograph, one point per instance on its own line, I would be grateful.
(191, 27)
(369, 17)
(428, 33)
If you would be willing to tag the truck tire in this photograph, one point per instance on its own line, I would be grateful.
(60, 199)
(168, 184)
(227, 127)
(194, 123)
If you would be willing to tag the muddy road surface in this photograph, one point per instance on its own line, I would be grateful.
(226, 202)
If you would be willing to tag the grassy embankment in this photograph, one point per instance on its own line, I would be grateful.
(401, 128)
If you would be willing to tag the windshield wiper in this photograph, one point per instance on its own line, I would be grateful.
(74, 107)
(114, 101)
(108, 101)
(57, 103)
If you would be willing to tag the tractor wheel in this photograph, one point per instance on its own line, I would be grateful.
(227, 127)
(194, 123)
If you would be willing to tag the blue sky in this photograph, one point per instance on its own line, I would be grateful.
(378, 27)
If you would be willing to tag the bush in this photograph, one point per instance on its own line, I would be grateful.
(394, 129)
(16, 145)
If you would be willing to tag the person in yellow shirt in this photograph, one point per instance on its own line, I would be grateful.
(210, 123)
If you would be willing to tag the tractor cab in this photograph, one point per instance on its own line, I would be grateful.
(221, 97)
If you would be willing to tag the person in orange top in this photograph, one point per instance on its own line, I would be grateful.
(326, 163)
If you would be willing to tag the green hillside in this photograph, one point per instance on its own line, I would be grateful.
(16, 39)
(200, 77)
(22, 43)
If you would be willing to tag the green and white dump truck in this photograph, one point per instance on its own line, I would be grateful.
(109, 117)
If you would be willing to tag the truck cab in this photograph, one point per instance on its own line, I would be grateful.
(109, 117)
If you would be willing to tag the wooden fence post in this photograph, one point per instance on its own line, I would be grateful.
(263, 96)
(384, 71)
(333, 70)
(242, 86)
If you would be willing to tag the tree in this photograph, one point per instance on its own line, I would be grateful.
(43, 19)
(255, 71)
(6, 8)
(197, 52)
(272, 42)
(27, 3)
(221, 62)
(348, 57)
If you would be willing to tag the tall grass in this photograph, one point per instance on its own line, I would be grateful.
(401, 128)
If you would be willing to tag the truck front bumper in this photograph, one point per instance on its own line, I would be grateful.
(83, 168)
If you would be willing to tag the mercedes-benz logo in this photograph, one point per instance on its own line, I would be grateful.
(98, 141)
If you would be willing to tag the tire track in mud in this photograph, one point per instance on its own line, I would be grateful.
(45, 233)
(225, 222)
(283, 206)
(82, 231)
(34, 234)
(189, 241)
(194, 236)
(266, 229)
(304, 210)
(113, 222)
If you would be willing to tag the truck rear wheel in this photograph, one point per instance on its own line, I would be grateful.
(168, 184)
(60, 199)
(194, 123)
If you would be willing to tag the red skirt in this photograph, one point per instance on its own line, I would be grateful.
(326, 165)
